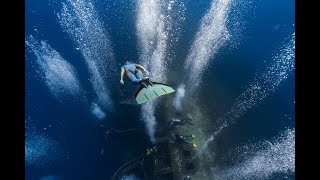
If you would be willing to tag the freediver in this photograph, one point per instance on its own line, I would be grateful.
(175, 122)
(134, 73)
(148, 89)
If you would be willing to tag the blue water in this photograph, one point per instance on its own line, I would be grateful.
(268, 24)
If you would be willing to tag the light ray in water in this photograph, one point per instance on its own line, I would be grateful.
(174, 18)
(151, 30)
(41, 150)
(178, 98)
(58, 74)
(263, 159)
(79, 19)
(96, 110)
(211, 36)
(149, 119)
(262, 85)
(147, 15)
(152, 37)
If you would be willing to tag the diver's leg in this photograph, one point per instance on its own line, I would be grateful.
(143, 84)
(149, 82)
(171, 126)
(189, 122)
(183, 122)
(132, 77)
(138, 74)
(185, 142)
(187, 119)
(189, 137)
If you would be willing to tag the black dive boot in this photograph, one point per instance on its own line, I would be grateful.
(143, 83)
(149, 82)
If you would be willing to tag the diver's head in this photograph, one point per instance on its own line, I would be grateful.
(127, 62)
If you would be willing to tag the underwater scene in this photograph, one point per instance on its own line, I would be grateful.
(159, 89)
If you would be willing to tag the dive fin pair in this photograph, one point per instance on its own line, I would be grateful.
(146, 82)
(150, 90)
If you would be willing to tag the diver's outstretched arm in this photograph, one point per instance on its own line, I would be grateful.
(141, 67)
(123, 131)
(122, 74)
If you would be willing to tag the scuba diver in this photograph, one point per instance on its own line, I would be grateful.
(110, 131)
(180, 139)
(151, 151)
(175, 122)
(134, 73)
(148, 89)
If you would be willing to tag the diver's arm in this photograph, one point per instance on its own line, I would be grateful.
(122, 131)
(122, 74)
(141, 67)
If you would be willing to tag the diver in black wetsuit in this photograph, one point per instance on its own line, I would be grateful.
(110, 131)
(180, 139)
(175, 122)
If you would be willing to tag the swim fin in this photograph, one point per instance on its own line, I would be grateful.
(150, 90)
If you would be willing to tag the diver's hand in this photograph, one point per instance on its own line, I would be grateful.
(121, 81)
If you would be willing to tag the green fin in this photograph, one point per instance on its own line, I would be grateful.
(151, 92)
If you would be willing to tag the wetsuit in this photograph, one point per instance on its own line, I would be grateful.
(134, 74)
